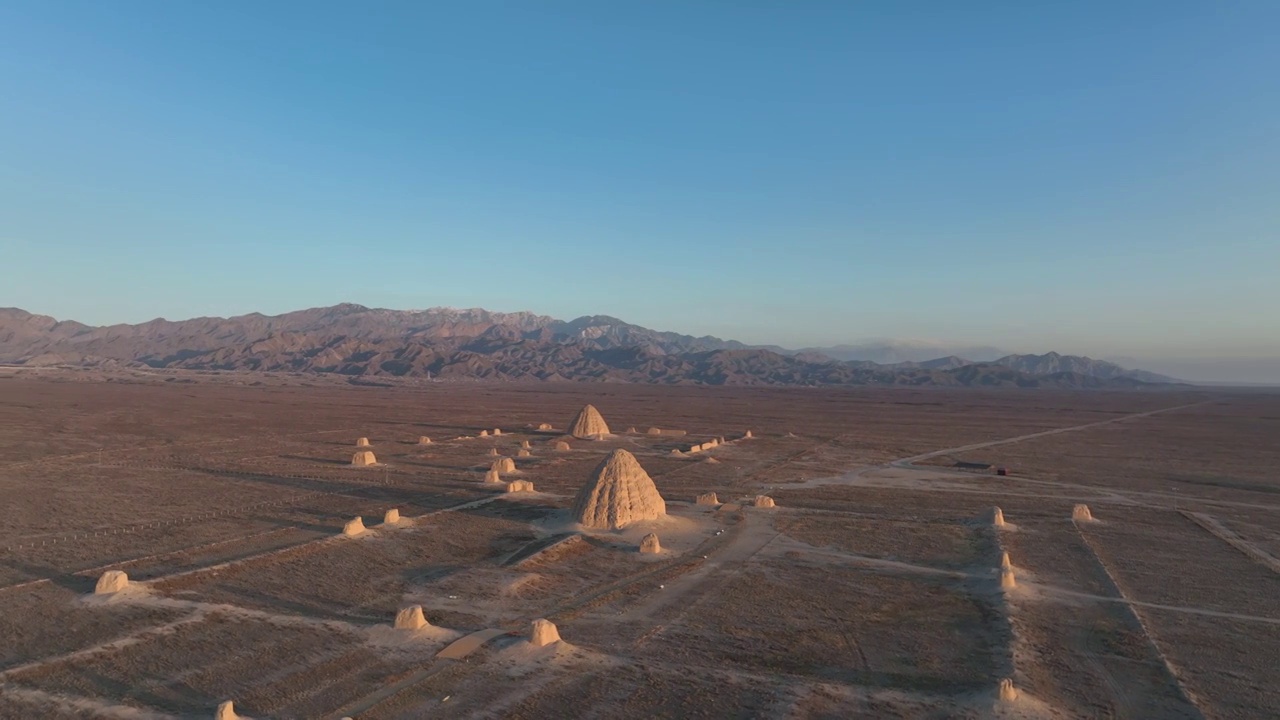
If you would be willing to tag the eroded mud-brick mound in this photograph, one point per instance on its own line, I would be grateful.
(649, 544)
(362, 442)
(618, 493)
(364, 458)
(543, 633)
(588, 424)
(112, 581)
(410, 618)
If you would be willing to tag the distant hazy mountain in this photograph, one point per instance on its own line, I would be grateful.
(888, 352)
(1052, 362)
(450, 343)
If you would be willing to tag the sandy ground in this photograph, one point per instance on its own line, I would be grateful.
(872, 590)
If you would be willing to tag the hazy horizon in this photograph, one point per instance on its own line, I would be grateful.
(1093, 179)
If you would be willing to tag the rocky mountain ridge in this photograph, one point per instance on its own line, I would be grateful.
(448, 343)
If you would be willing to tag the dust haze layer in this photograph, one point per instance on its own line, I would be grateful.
(448, 343)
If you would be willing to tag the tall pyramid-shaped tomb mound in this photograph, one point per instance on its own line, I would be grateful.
(588, 424)
(619, 493)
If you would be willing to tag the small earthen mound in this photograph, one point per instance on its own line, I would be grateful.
(112, 581)
(618, 493)
(1007, 692)
(1080, 513)
(997, 517)
(763, 501)
(506, 465)
(649, 544)
(354, 526)
(492, 476)
(708, 499)
(411, 618)
(524, 453)
(588, 424)
(497, 431)
(226, 711)
(524, 445)
(748, 434)
(1005, 564)
(711, 461)
(424, 440)
(543, 633)
(653, 431)
(483, 433)
(562, 446)
(544, 426)
(493, 451)
(364, 458)
(519, 486)
(676, 451)
(1007, 580)
(631, 431)
(392, 517)
(362, 442)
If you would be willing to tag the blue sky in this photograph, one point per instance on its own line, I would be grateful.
(1096, 178)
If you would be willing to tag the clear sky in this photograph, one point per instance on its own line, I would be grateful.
(1097, 178)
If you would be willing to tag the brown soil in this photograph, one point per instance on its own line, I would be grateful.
(871, 590)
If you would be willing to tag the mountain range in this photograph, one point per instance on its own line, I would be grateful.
(448, 343)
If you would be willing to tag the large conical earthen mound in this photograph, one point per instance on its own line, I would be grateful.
(619, 493)
(588, 424)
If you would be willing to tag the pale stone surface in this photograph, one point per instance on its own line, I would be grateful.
(543, 632)
(1007, 580)
(354, 526)
(618, 493)
(411, 618)
(112, 581)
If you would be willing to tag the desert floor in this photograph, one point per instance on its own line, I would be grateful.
(872, 589)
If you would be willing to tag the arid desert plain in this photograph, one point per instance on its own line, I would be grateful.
(875, 586)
